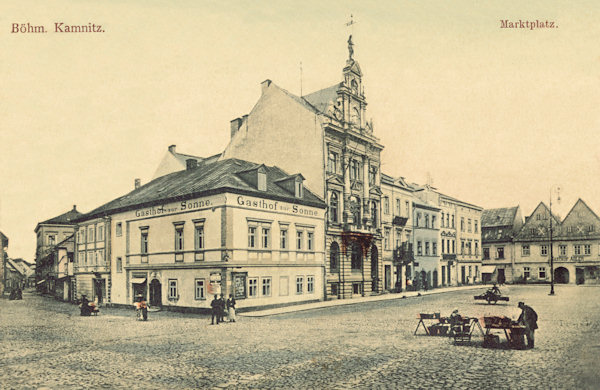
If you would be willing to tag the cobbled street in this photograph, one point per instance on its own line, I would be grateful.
(46, 344)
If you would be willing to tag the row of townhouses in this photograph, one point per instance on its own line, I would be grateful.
(295, 209)
(517, 251)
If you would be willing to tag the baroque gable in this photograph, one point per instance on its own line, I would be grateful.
(537, 226)
(580, 223)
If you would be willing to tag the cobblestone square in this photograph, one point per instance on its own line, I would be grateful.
(46, 344)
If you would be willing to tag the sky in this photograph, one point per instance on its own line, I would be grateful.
(496, 117)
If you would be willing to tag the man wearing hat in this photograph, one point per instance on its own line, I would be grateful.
(528, 318)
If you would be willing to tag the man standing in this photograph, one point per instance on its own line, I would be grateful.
(222, 308)
(216, 310)
(528, 318)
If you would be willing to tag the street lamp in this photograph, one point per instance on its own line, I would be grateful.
(551, 253)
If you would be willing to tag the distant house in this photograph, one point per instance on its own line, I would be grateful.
(49, 233)
(17, 273)
(575, 251)
(3, 256)
(498, 229)
(174, 161)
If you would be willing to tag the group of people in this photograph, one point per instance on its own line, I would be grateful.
(527, 319)
(86, 307)
(16, 293)
(219, 306)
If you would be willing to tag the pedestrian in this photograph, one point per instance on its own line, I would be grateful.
(528, 318)
(142, 308)
(231, 308)
(222, 304)
(86, 310)
(215, 310)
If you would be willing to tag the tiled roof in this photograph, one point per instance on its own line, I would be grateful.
(64, 219)
(321, 99)
(207, 178)
(499, 217)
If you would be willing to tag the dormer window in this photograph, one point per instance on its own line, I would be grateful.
(262, 181)
(298, 189)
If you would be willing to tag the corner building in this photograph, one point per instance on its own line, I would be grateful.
(326, 136)
(231, 227)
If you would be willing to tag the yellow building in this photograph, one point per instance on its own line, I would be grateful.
(231, 227)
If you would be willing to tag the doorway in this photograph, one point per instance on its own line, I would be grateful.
(155, 293)
(501, 276)
(388, 277)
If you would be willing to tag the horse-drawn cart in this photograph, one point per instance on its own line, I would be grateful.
(491, 296)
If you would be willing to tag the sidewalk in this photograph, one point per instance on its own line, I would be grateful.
(353, 301)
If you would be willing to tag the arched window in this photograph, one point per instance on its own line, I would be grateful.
(334, 207)
(334, 256)
(356, 257)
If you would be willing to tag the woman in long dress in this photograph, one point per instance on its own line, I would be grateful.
(231, 308)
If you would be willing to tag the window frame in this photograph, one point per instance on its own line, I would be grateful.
(200, 286)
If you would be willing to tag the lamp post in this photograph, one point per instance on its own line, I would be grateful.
(551, 252)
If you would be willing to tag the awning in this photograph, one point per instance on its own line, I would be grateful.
(138, 280)
(41, 281)
(488, 269)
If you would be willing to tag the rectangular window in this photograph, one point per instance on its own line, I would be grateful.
(426, 248)
(526, 272)
(486, 253)
(81, 258)
(91, 234)
(51, 239)
(265, 237)
(447, 220)
(372, 175)
(173, 293)
(476, 248)
(252, 287)
(462, 247)
(525, 250)
(476, 226)
(407, 207)
(179, 238)
(101, 233)
(266, 287)
(299, 239)
(452, 221)
(434, 248)
(144, 242)
(398, 207)
(542, 273)
(462, 224)
(118, 229)
(299, 284)
(419, 248)
(298, 189)
(469, 229)
(119, 264)
(562, 250)
(355, 170)
(200, 291)
(386, 205)
(500, 253)
(544, 250)
(577, 249)
(433, 221)
(251, 237)
(310, 238)
(310, 284)
(442, 221)
(283, 239)
(443, 242)
(386, 238)
(199, 237)
(332, 162)
(587, 249)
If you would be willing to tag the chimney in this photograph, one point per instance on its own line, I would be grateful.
(235, 126)
(191, 163)
(74, 207)
(137, 183)
(264, 85)
(172, 148)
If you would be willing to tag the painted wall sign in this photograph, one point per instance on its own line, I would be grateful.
(273, 205)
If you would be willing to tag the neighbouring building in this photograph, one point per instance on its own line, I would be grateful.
(3, 257)
(56, 270)
(460, 237)
(48, 234)
(498, 230)
(174, 161)
(230, 226)
(397, 228)
(17, 274)
(326, 136)
(575, 247)
(426, 236)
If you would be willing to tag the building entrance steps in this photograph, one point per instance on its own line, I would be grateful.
(352, 301)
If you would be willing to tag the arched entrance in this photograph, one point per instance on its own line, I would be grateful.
(561, 275)
(374, 269)
(423, 279)
(435, 278)
(155, 293)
